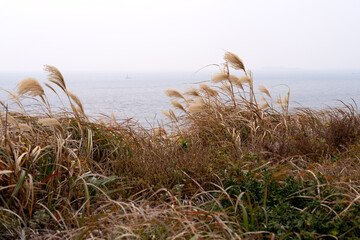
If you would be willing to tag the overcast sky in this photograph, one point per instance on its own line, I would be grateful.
(130, 35)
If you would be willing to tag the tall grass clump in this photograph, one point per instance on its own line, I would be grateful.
(233, 162)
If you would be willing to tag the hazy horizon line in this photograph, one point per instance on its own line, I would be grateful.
(270, 68)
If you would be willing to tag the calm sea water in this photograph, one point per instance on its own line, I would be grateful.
(140, 95)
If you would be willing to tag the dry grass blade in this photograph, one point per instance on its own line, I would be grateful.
(5, 172)
(349, 206)
(13, 213)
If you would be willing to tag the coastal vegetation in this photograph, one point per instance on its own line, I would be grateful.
(232, 162)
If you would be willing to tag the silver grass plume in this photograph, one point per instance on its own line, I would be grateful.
(234, 60)
(55, 76)
(30, 87)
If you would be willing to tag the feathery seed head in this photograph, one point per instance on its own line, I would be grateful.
(113, 117)
(25, 127)
(173, 93)
(245, 79)
(219, 77)
(263, 89)
(30, 86)
(192, 92)
(167, 114)
(50, 122)
(263, 105)
(176, 104)
(262, 98)
(234, 61)
(236, 81)
(76, 100)
(210, 91)
(226, 88)
(196, 108)
(55, 76)
(285, 99)
(173, 116)
(158, 131)
(10, 119)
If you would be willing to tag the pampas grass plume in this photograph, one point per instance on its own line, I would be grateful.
(236, 81)
(113, 117)
(10, 119)
(245, 79)
(178, 105)
(158, 131)
(195, 108)
(30, 86)
(212, 92)
(219, 77)
(172, 115)
(263, 89)
(285, 99)
(234, 61)
(263, 105)
(192, 92)
(55, 76)
(173, 93)
(167, 114)
(50, 122)
(25, 127)
(262, 98)
(76, 100)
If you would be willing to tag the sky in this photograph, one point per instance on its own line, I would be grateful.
(130, 35)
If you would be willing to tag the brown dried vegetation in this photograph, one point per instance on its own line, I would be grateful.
(65, 176)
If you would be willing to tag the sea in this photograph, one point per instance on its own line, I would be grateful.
(139, 95)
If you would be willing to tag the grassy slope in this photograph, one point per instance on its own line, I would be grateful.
(230, 165)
